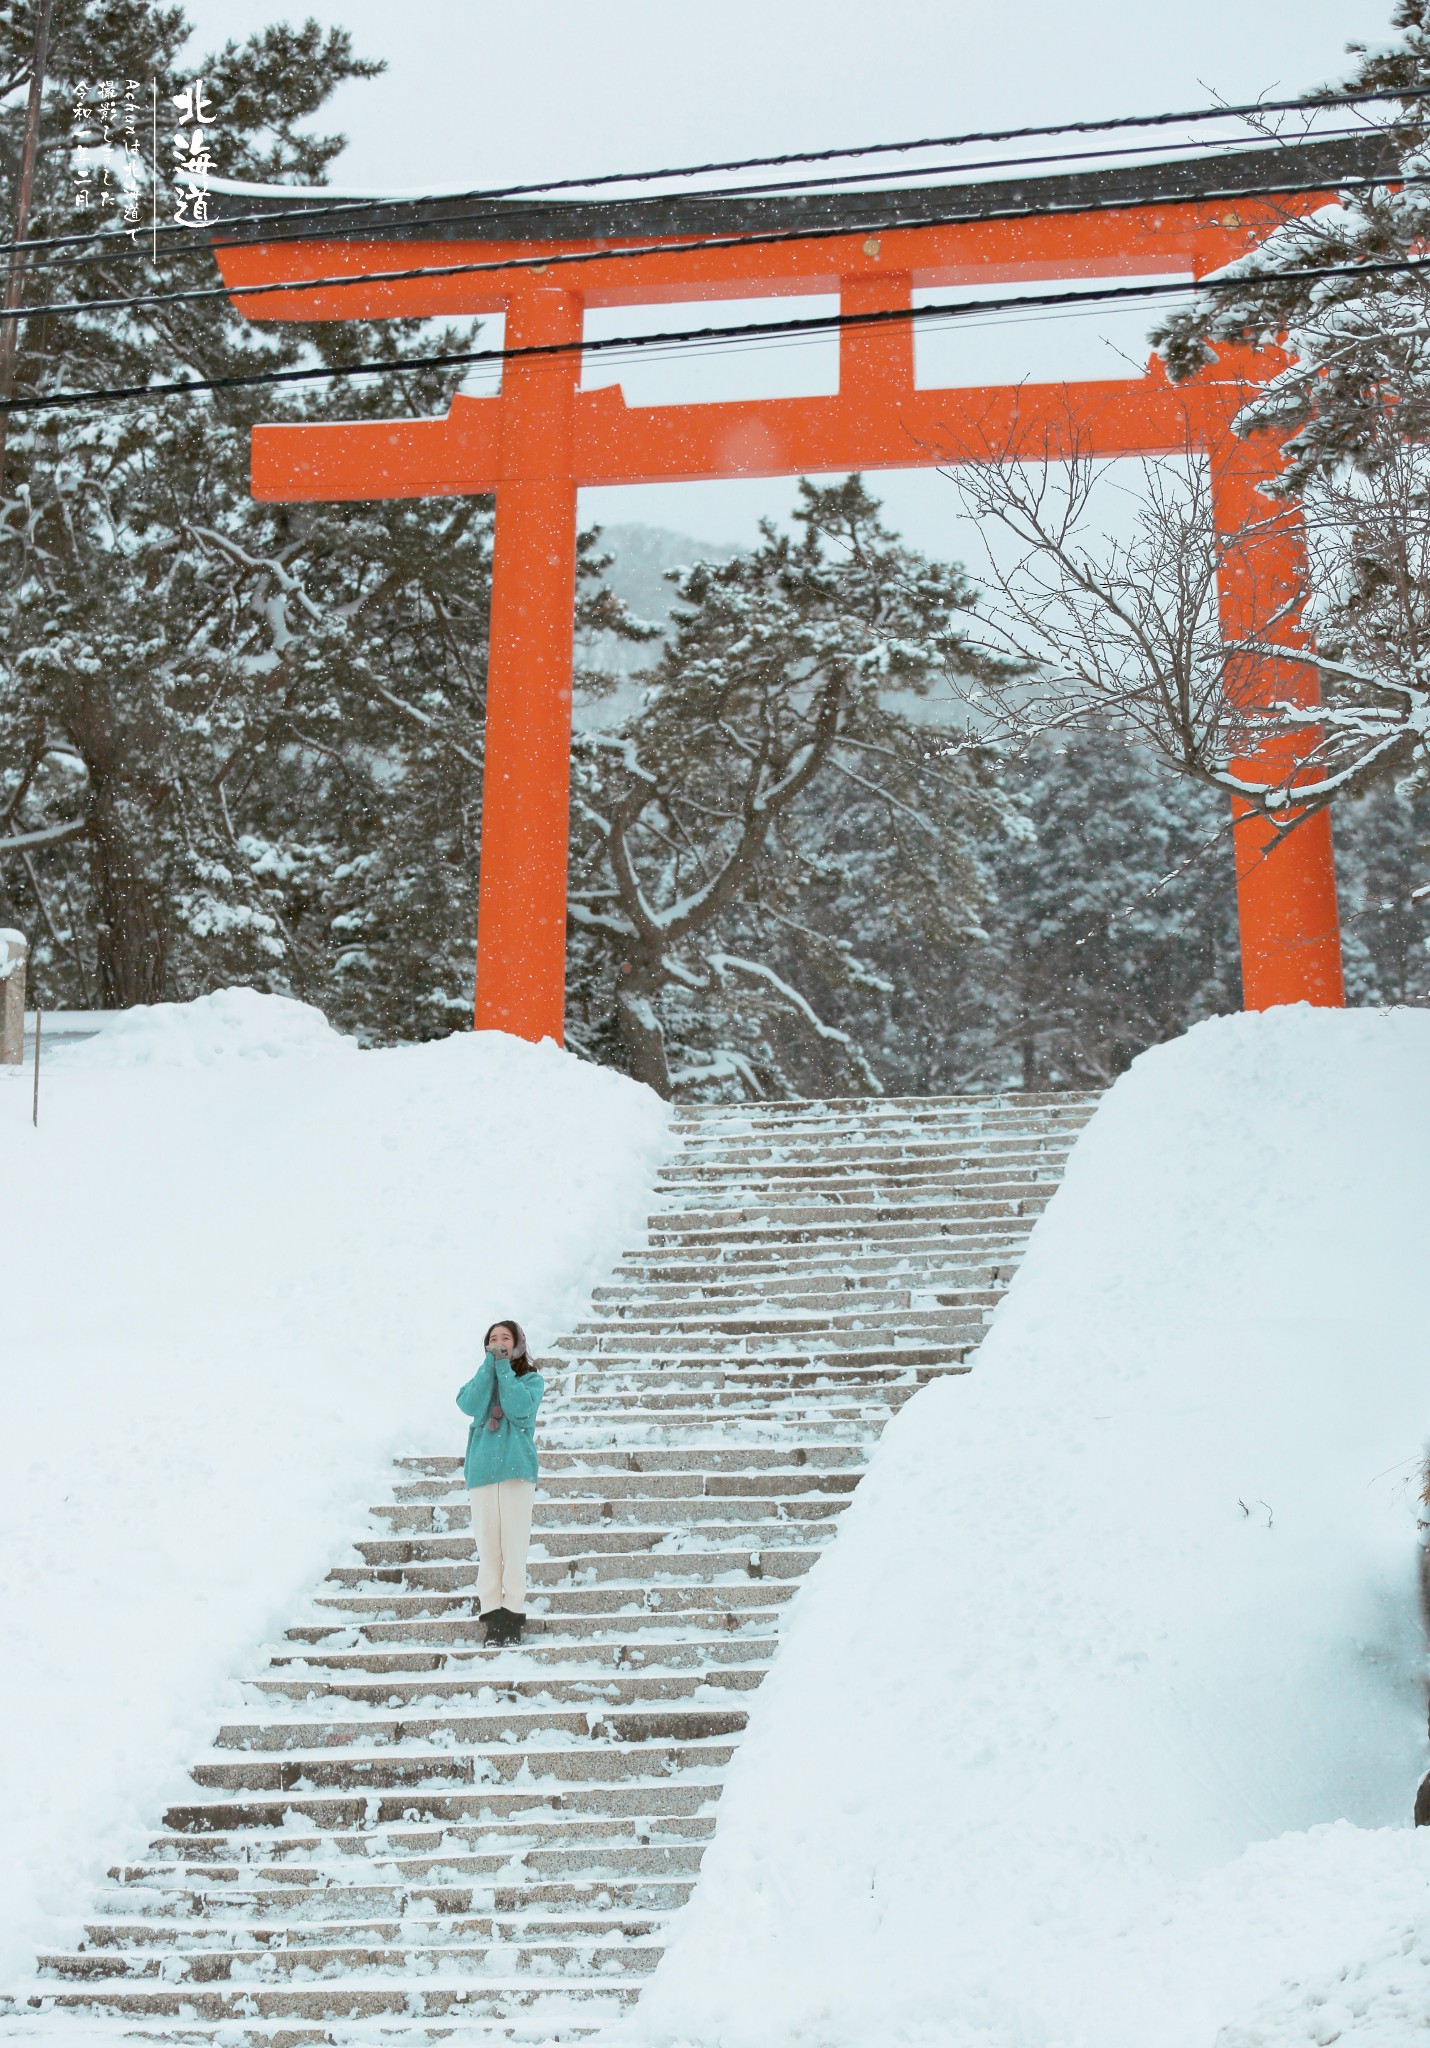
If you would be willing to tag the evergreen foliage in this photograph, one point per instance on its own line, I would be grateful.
(244, 739)
(1355, 343)
(768, 823)
(1351, 410)
(1115, 927)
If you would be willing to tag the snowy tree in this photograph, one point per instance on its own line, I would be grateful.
(1350, 409)
(769, 802)
(160, 643)
(237, 741)
(1382, 858)
(1113, 928)
(1116, 636)
(1353, 344)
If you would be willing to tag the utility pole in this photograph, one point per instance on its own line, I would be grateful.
(10, 339)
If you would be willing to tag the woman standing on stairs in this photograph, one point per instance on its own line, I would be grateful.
(502, 1398)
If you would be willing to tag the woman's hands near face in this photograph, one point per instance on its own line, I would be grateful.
(500, 1347)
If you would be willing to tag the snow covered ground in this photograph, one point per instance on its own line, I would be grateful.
(1099, 1725)
(244, 1264)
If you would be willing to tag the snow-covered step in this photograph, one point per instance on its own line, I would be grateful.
(738, 1590)
(870, 1115)
(561, 1496)
(798, 1211)
(312, 1694)
(586, 1565)
(890, 1289)
(806, 1343)
(551, 1839)
(408, 1999)
(708, 1397)
(585, 1529)
(784, 1181)
(651, 1799)
(790, 1186)
(832, 1226)
(405, 1835)
(543, 1653)
(555, 1843)
(915, 1250)
(672, 1329)
(419, 1478)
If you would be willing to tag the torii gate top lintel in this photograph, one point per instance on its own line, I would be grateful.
(541, 438)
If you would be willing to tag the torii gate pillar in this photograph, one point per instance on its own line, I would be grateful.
(1285, 883)
(526, 781)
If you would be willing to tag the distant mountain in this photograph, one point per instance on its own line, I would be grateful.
(643, 554)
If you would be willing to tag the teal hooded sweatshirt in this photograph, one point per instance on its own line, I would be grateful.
(509, 1450)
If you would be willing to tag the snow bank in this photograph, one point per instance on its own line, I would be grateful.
(244, 1265)
(230, 1024)
(1101, 1721)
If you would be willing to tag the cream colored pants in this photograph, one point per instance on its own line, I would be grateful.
(501, 1523)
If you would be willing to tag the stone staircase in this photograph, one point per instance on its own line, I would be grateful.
(412, 1836)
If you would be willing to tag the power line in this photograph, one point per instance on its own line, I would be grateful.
(757, 237)
(517, 224)
(787, 187)
(605, 180)
(1303, 102)
(709, 244)
(823, 323)
(1230, 147)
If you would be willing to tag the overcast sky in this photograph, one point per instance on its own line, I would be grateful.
(497, 90)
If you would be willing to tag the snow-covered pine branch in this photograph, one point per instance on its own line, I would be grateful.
(43, 835)
(758, 970)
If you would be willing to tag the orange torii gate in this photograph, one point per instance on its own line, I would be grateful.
(543, 437)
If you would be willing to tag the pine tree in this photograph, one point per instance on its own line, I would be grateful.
(1114, 927)
(1382, 850)
(767, 817)
(1351, 412)
(238, 741)
(1355, 342)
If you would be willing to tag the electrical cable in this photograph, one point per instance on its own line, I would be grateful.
(602, 181)
(511, 229)
(711, 244)
(789, 187)
(1231, 147)
(516, 224)
(825, 323)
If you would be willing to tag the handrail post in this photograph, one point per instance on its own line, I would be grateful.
(14, 957)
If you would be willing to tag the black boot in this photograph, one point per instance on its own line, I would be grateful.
(512, 1625)
(494, 1627)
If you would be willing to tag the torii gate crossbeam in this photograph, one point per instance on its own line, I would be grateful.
(538, 442)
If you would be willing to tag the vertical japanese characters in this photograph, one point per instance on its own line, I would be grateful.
(130, 180)
(192, 153)
(107, 159)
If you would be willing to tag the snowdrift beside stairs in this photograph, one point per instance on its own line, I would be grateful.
(1100, 1723)
(244, 1265)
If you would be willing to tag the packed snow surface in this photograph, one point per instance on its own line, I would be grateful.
(1099, 1725)
(244, 1265)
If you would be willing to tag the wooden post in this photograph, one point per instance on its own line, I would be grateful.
(14, 953)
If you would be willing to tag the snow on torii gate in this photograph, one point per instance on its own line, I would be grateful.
(543, 437)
